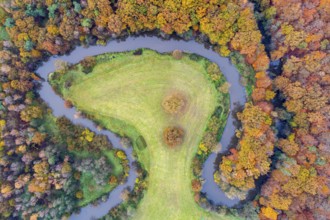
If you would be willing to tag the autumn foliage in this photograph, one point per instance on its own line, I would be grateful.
(173, 136)
(252, 159)
(177, 54)
(196, 185)
(299, 187)
(88, 64)
(228, 25)
(174, 104)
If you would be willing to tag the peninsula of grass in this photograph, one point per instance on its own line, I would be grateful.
(124, 93)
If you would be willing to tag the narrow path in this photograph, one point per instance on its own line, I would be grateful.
(237, 96)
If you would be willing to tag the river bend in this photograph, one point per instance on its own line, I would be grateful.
(56, 103)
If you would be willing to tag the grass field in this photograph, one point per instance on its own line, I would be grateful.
(124, 93)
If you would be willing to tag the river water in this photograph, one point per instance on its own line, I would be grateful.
(56, 103)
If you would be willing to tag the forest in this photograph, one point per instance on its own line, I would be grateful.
(48, 164)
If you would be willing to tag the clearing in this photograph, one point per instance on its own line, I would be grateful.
(124, 93)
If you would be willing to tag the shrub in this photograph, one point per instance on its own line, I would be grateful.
(173, 136)
(28, 46)
(86, 22)
(194, 57)
(177, 54)
(61, 66)
(141, 143)
(79, 195)
(68, 104)
(138, 52)
(174, 104)
(9, 22)
(196, 185)
(88, 64)
(121, 155)
(224, 88)
(214, 72)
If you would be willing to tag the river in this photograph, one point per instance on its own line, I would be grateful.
(56, 103)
